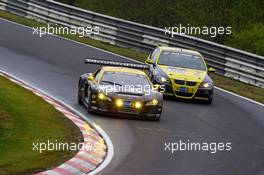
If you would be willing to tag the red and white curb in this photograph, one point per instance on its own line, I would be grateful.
(87, 159)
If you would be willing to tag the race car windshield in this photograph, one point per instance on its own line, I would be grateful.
(123, 78)
(183, 60)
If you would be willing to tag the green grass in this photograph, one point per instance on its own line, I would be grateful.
(24, 119)
(240, 88)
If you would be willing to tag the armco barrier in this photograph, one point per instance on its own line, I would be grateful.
(230, 62)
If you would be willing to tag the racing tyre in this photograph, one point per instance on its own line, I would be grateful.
(79, 96)
(89, 101)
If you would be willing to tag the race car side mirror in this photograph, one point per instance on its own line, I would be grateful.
(148, 61)
(150, 54)
(211, 69)
(90, 77)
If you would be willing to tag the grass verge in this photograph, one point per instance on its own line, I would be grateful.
(24, 119)
(229, 84)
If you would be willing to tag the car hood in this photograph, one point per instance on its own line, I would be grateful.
(131, 95)
(110, 89)
(183, 73)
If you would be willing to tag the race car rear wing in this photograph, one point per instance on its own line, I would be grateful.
(116, 63)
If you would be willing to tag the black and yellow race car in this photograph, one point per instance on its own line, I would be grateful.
(182, 73)
(119, 88)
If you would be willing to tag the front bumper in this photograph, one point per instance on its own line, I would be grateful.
(204, 94)
(195, 93)
(110, 108)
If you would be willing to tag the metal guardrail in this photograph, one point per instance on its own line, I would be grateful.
(230, 62)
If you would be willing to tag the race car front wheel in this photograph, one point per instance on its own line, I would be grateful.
(89, 100)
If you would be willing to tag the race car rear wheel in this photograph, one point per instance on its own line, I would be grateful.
(80, 96)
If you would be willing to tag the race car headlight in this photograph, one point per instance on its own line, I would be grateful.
(119, 102)
(102, 96)
(153, 102)
(138, 105)
(162, 79)
(206, 85)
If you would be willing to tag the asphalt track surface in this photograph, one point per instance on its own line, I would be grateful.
(54, 65)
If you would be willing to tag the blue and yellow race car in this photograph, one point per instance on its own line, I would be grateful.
(182, 73)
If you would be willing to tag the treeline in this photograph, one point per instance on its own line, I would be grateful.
(246, 17)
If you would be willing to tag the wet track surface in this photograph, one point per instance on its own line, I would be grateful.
(54, 65)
